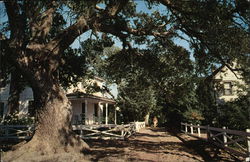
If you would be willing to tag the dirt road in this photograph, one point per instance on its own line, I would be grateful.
(153, 145)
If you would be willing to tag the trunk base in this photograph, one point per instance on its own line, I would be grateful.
(49, 150)
(53, 136)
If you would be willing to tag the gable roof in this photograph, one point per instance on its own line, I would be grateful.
(233, 70)
(82, 95)
(211, 76)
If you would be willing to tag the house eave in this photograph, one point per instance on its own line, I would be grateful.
(82, 96)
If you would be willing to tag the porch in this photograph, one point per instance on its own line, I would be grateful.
(92, 110)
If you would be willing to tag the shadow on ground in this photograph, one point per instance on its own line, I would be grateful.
(207, 151)
(145, 144)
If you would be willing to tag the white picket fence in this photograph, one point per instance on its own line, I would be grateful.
(25, 132)
(110, 131)
(139, 126)
(233, 141)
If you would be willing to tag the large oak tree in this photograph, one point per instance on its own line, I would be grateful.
(37, 53)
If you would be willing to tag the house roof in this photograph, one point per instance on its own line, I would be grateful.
(215, 72)
(82, 95)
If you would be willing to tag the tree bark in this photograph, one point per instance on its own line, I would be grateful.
(53, 132)
(16, 88)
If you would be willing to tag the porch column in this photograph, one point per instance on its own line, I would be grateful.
(86, 112)
(106, 116)
(99, 113)
(115, 115)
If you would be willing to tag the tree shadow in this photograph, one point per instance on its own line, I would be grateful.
(158, 129)
(207, 151)
(101, 149)
(147, 143)
(179, 154)
(149, 135)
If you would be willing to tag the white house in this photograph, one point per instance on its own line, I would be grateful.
(228, 83)
(88, 108)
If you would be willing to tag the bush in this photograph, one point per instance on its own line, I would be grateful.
(193, 116)
(235, 115)
(18, 119)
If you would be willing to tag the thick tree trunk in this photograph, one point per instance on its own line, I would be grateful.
(53, 132)
(16, 88)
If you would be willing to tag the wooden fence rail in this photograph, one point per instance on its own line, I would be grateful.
(25, 132)
(18, 132)
(233, 141)
(110, 131)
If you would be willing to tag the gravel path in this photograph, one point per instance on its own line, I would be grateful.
(158, 145)
(148, 145)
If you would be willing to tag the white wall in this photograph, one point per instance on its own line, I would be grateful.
(4, 93)
(226, 75)
(25, 97)
(77, 109)
(90, 113)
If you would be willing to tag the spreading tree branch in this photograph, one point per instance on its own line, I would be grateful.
(41, 24)
(16, 23)
(67, 36)
(115, 7)
(124, 31)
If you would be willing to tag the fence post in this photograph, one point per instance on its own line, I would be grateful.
(122, 132)
(248, 146)
(186, 129)
(136, 126)
(192, 129)
(81, 131)
(224, 137)
(208, 133)
(199, 130)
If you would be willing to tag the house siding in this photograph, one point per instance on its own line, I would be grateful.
(225, 76)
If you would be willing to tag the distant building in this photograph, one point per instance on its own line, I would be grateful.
(228, 83)
(95, 107)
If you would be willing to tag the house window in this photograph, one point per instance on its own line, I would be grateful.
(31, 109)
(1, 109)
(228, 88)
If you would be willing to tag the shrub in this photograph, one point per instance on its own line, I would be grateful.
(235, 115)
(18, 119)
(193, 116)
